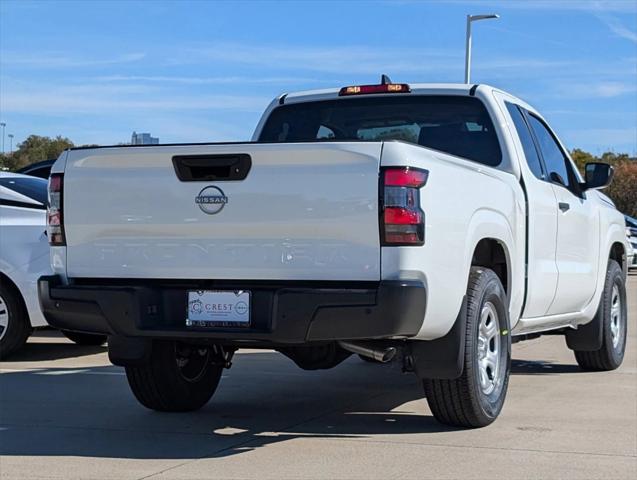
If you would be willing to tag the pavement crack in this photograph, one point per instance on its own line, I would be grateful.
(476, 447)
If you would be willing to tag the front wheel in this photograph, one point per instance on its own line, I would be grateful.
(177, 377)
(475, 399)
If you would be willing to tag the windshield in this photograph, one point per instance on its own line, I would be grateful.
(453, 124)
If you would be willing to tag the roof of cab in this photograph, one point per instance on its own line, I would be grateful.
(416, 88)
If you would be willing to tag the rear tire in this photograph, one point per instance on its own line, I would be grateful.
(475, 399)
(177, 378)
(613, 316)
(15, 327)
(85, 338)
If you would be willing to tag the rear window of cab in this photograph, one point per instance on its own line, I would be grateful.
(458, 125)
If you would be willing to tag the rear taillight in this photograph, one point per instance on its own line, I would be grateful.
(402, 220)
(55, 216)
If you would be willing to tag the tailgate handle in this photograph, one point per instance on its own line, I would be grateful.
(225, 167)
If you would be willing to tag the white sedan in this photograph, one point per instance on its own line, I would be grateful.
(24, 257)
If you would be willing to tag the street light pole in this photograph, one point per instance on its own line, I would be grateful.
(11, 142)
(467, 58)
(3, 125)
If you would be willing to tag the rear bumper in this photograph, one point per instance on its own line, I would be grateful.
(290, 313)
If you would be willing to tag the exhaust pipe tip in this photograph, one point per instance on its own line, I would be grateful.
(387, 355)
(382, 355)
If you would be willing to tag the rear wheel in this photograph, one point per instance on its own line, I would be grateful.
(177, 378)
(613, 316)
(475, 399)
(85, 338)
(14, 321)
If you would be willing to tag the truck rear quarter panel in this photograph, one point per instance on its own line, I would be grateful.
(464, 202)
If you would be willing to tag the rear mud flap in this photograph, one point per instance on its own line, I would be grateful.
(441, 358)
(587, 337)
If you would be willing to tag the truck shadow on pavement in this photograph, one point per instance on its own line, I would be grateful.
(263, 399)
(48, 344)
(540, 367)
(42, 352)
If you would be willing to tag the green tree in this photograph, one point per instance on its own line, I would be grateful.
(35, 149)
(581, 158)
(623, 189)
(614, 158)
(8, 162)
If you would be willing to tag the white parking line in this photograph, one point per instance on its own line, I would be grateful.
(104, 373)
(60, 372)
(21, 370)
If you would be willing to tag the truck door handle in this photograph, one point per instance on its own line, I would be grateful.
(225, 167)
(564, 206)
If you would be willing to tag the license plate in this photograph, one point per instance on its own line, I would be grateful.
(214, 308)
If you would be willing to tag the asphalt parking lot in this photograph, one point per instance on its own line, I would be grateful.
(66, 413)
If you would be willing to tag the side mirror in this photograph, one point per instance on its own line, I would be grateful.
(597, 175)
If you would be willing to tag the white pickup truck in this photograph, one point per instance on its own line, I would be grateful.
(437, 223)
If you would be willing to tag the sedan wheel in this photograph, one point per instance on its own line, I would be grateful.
(15, 327)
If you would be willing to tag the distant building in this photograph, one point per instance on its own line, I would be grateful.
(143, 139)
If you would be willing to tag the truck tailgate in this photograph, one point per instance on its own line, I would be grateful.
(303, 212)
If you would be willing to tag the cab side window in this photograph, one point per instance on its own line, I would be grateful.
(528, 145)
(557, 166)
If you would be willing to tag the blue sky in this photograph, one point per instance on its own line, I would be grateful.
(203, 71)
